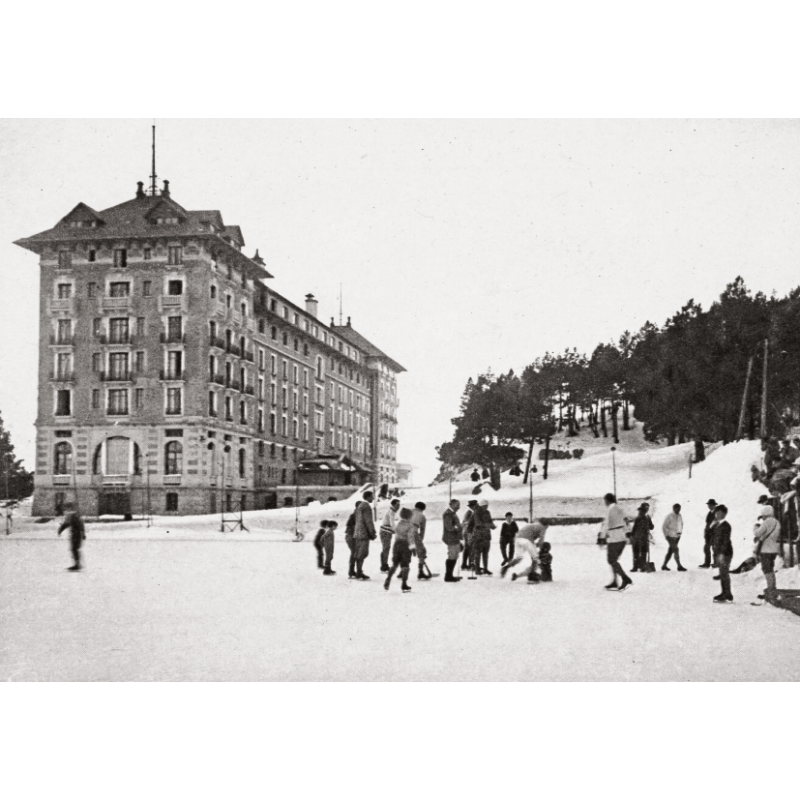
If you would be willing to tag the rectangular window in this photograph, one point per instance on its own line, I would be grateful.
(64, 291)
(213, 292)
(120, 258)
(140, 361)
(119, 289)
(64, 331)
(147, 288)
(117, 401)
(64, 259)
(174, 364)
(261, 420)
(174, 288)
(92, 255)
(212, 404)
(285, 370)
(228, 409)
(118, 330)
(174, 329)
(273, 426)
(97, 326)
(172, 502)
(175, 255)
(91, 290)
(140, 326)
(118, 366)
(243, 412)
(284, 426)
(173, 401)
(147, 253)
(228, 301)
(261, 360)
(95, 398)
(138, 398)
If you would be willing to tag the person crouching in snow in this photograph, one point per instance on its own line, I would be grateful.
(723, 550)
(546, 562)
(405, 546)
(323, 526)
(673, 528)
(452, 536)
(364, 533)
(529, 539)
(386, 533)
(328, 539)
(508, 531)
(768, 536)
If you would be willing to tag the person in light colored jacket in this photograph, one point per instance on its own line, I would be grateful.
(387, 531)
(615, 528)
(768, 538)
(673, 528)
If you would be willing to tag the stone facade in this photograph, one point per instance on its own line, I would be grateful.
(172, 379)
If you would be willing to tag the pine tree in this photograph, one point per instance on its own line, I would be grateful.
(15, 482)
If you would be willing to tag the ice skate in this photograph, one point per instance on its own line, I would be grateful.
(328, 571)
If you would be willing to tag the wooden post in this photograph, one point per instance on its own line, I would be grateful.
(764, 391)
(546, 455)
(740, 429)
(528, 464)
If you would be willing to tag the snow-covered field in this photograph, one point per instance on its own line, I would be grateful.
(180, 600)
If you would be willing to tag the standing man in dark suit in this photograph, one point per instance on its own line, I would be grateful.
(708, 534)
(452, 536)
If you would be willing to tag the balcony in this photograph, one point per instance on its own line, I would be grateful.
(249, 355)
(233, 350)
(62, 339)
(117, 412)
(172, 338)
(118, 337)
(116, 303)
(63, 304)
(250, 389)
(117, 375)
(62, 375)
(235, 385)
(221, 308)
(172, 375)
(173, 411)
(218, 379)
(171, 301)
(215, 341)
(237, 317)
(212, 413)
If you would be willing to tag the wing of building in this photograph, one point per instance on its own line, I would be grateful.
(173, 379)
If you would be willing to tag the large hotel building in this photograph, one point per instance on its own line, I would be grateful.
(172, 379)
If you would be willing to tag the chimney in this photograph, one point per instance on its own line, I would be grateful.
(348, 322)
(311, 305)
(331, 322)
(165, 190)
(258, 260)
(139, 189)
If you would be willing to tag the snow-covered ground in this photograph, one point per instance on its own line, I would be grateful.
(179, 600)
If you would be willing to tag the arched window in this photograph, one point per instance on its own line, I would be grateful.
(242, 457)
(285, 338)
(173, 458)
(98, 452)
(273, 332)
(62, 459)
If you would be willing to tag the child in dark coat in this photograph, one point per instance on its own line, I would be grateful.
(508, 531)
(323, 526)
(546, 561)
(328, 539)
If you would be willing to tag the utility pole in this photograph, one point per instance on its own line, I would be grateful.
(764, 391)
(740, 429)
(614, 467)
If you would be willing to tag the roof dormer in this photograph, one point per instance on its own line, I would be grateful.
(166, 212)
(82, 216)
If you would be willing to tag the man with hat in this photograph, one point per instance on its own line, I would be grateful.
(467, 527)
(452, 536)
(640, 538)
(708, 534)
(768, 536)
(77, 533)
(482, 537)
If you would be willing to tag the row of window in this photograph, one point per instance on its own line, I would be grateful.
(172, 288)
(120, 256)
(117, 401)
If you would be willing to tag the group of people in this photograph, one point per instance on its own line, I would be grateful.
(717, 544)
(402, 537)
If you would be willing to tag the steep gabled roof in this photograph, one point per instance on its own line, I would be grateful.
(82, 213)
(351, 335)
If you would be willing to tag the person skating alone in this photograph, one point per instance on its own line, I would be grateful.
(723, 552)
(640, 537)
(614, 532)
(405, 546)
(328, 540)
(708, 534)
(77, 533)
(467, 527)
(672, 528)
(508, 530)
(482, 537)
(364, 533)
(387, 531)
(529, 540)
(452, 536)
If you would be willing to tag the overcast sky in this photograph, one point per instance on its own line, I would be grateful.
(460, 245)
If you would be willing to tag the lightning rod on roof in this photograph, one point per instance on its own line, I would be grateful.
(153, 176)
(340, 304)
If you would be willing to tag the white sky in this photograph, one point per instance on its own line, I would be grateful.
(460, 245)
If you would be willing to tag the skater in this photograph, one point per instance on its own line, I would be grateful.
(387, 531)
(419, 521)
(673, 528)
(614, 529)
(508, 531)
(482, 537)
(323, 526)
(475, 476)
(546, 562)
(640, 538)
(708, 534)
(350, 541)
(364, 533)
(77, 533)
(328, 539)
(530, 538)
(467, 527)
(768, 536)
(452, 536)
(405, 546)
(723, 552)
